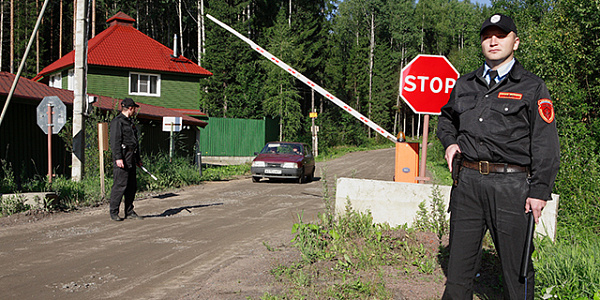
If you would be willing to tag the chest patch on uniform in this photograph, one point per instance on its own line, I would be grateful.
(546, 110)
(514, 96)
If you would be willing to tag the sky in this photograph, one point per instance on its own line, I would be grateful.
(484, 2)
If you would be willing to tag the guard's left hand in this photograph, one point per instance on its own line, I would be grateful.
(536, 206)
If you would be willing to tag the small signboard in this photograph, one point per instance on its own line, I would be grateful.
(172, 123)
(58, 111)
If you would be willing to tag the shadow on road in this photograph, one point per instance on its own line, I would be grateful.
(174, 211)
(165, 196)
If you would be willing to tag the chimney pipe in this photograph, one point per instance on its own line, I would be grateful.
(175, 47)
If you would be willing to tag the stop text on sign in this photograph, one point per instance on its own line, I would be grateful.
(435, 84)
(427, 82)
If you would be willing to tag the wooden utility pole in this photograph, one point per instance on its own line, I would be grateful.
(80, 91)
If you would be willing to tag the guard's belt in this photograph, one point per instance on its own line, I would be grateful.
(485, 167)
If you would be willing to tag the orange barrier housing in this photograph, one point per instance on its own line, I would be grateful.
(407, 162)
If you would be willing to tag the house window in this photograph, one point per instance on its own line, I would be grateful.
(71, 80)
(144, 84)
(55, 81)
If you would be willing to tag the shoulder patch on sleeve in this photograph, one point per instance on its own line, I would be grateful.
(546, 110)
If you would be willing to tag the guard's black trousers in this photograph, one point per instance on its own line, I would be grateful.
(124, 185)
(479, 202)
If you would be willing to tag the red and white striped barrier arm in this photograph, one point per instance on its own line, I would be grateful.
(308, 82)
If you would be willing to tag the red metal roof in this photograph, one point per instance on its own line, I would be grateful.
(29, 89)
(123, 46)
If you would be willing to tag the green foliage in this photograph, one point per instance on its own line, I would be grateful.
(433, 220)
(7, 181)
(567, 269)
(12, 204)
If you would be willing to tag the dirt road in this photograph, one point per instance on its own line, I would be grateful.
(204, 242)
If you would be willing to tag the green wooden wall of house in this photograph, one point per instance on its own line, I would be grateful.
(237, 137)
(176, 91)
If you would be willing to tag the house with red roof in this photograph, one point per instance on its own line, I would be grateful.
(124, 62)
(24, 145)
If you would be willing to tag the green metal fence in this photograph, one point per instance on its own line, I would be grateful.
(236, 137)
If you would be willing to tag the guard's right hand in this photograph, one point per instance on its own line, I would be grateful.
(120, 163)
(450, 152)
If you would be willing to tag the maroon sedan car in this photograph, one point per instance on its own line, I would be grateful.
(284, 160)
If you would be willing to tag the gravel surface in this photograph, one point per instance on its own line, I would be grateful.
(209, 241)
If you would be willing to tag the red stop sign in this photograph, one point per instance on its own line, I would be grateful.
(426, 83)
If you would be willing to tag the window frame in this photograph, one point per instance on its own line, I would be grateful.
(148, 81)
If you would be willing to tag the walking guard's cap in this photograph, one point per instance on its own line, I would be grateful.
(128, 102)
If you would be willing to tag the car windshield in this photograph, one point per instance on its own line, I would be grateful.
(280, 148)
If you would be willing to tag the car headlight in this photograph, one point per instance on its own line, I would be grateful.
(260, 164)
(290, 165)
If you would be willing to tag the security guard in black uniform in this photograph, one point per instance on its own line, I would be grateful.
(125, 150)
(500, 120)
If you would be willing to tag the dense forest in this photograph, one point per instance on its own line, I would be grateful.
(355, 49)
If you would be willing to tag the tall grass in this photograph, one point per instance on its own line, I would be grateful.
(568, 269)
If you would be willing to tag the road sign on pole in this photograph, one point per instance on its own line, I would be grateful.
(59, 114)
(427, 82)
(425, 86)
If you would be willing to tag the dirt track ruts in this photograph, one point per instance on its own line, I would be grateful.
(203, 242)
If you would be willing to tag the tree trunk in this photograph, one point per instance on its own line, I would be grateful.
(371, 59)
(179, 15)
(12, 36)
(37, 42)
(396, 115)
(200, 30)
(60, 30)
(1, 31)
(93, 18)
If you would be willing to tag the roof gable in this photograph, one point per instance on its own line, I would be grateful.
(123, 46)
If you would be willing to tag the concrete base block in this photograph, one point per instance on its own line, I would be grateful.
(397, 203)
(36, 200)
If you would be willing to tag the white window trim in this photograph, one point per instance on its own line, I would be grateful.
(158, 83)
(56, 81)
(71, 80)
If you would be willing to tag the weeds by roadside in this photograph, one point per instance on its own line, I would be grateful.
(178, 173)
(349, 257)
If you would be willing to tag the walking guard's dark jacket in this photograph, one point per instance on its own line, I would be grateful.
(512, 123)
(124, 140)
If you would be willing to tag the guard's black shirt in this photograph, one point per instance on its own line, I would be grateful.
(123, 137)
(513, 123)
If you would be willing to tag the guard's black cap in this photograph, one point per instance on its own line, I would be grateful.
(128, 102)
(503, 22)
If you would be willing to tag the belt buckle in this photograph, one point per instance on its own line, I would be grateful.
(487, 167)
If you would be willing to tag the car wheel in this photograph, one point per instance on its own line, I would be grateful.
(301, 178)
(255, 179)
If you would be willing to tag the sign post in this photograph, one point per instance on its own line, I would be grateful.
(102, 146)
(171, 124)
(51, 117)
(425, 86)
